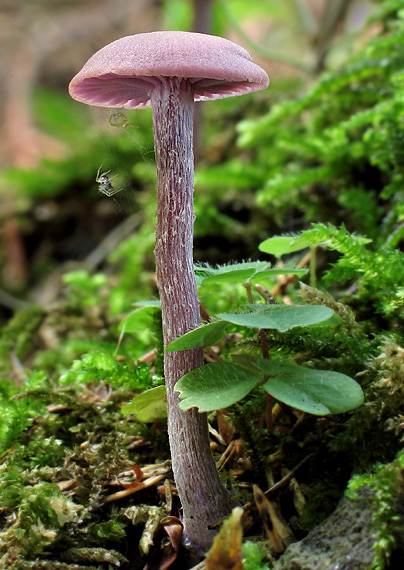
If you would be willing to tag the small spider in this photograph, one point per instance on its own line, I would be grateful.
(105, 183)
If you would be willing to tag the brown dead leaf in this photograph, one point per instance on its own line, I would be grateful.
(278, 531)
(225, 427)
(166, 554)
(225, 553)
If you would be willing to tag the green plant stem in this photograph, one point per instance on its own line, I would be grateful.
(269, 400)
(313, 278)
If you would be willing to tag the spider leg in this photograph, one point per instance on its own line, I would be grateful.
(111, 191)
(99, 170)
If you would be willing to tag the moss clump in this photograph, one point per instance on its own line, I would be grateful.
(387, 484)
(42, 512)
(56, 476)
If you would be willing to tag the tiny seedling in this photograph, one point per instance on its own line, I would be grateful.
(220, 384)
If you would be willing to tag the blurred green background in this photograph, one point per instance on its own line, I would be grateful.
(54, 218)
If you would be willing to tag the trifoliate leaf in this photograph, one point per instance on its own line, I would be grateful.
(149, 406)
(206, 335)
(214, 386)
(279, 317)
(242, 272)
(317, 392)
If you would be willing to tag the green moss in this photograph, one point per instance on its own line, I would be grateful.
(42, 512)
(254, 554)
(18, 337)
(100, 366)
(387, 483)
(81, 438)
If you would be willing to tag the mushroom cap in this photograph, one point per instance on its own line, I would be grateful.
(124, 72)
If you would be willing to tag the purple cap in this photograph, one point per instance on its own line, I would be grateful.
(123, 73)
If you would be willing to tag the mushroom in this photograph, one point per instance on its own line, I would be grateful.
(169, 71)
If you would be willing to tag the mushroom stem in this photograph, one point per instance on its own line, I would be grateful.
(203, 497)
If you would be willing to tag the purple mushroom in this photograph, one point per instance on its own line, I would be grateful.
(169, 71)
